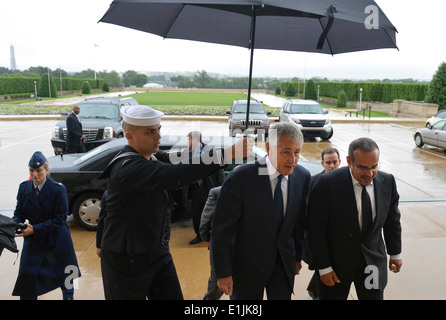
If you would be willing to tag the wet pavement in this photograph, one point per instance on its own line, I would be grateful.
(421, 181)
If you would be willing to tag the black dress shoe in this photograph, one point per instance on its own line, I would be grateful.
(196, 240)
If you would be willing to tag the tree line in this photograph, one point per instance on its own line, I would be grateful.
(434, 92)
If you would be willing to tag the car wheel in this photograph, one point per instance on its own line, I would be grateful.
(329, 136)
(419, 140)
(86, 210)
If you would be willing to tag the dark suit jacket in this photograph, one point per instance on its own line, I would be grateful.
(333, 226)
(244, 238)
(138, 216)
(74, 144)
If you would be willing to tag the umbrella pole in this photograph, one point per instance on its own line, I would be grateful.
(253, 33)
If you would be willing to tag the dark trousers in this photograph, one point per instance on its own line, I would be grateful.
(139, 276)
(199, 194)
(340, 291)
(277, 287)
(213, 293)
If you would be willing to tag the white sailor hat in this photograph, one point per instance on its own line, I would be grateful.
(142, 116)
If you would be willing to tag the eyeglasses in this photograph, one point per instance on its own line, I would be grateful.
(364, 168)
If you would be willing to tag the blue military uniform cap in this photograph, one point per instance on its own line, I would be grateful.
(37, 160)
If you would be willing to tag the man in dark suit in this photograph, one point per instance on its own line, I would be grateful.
(135, 258)
(75, 139)
(259, 224)
(330, 160)
(199, 189)
(349, 209)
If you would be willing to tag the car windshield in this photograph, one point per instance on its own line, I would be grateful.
(100, 111)
(307, 108)
(439, 125)
(441, 115)
(253, 108)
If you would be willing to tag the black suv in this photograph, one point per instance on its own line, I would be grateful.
(101, 121)
(258, 118)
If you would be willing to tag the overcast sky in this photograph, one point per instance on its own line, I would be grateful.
(63, 34)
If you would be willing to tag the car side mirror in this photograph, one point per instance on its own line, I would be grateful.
(228, 112)
(268, 113)
(326, 111)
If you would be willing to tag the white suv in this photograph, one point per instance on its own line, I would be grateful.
(309, 117)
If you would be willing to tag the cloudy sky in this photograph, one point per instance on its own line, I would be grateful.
(63, 34)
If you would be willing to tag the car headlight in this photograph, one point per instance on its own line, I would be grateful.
(108, 132)
(327, 122)
(55, 132)
(295, 120)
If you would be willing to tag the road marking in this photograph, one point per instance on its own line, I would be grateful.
(23, 141)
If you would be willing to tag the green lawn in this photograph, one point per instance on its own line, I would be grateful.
(208, 99)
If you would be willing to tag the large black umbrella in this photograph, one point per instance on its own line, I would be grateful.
(323, 26)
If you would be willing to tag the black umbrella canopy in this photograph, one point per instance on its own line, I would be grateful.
(295, 25)
(322, 26)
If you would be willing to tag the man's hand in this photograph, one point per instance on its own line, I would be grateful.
(395, 265)
(330, 279)
(225, 285)
(83, 138)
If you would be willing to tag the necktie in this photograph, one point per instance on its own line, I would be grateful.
(278, 202)
(37, 191)
(366, 211)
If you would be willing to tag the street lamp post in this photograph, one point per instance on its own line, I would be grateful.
(35, 88)
(360, 98)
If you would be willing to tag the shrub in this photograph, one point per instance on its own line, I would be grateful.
(45, 90)
(86, 89)
(342, 99)
(278, 91)
(436, 92)
(290, 90)
(105, 87)
(310, 90)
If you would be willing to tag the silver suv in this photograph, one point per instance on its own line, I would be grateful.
(258, 118)
(309, 117)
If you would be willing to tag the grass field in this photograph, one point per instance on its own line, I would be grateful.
(208, 99)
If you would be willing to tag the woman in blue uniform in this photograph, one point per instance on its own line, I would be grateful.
(48, 260)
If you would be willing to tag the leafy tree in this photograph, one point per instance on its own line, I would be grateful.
(132, 78)
(202, 79)
(113, 79)
(436, 93)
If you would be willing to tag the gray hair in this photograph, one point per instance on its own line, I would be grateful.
(284, 129)
(364, 144)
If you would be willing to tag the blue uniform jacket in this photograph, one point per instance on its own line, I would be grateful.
(48, 256)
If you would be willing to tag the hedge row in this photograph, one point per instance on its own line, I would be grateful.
(383, 92)
(12, 85)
